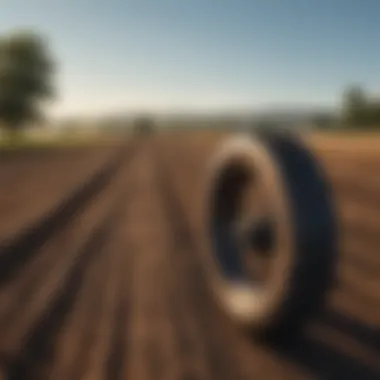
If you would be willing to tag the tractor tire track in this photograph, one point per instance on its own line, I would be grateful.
(47, 295)
(16, 252)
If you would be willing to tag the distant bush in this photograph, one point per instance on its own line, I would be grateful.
(323, 121)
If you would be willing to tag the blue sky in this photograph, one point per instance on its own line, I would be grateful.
(184, 55)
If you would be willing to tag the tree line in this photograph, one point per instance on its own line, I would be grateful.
(27, 82)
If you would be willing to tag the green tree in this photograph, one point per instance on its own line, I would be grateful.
(355, 106)
(26, 78)
(374, 114)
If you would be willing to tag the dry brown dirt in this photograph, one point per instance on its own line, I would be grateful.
(118, 293)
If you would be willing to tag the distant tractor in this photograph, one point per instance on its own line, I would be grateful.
(143, 126)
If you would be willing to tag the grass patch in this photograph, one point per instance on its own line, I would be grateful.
(28, 141)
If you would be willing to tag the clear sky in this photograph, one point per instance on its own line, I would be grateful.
(120, 55)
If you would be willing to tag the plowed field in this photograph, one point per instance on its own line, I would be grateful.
(100, 274)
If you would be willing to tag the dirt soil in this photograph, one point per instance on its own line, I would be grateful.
(118, 293)
(32, 182)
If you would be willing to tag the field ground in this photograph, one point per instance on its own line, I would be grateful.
(110, 286)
